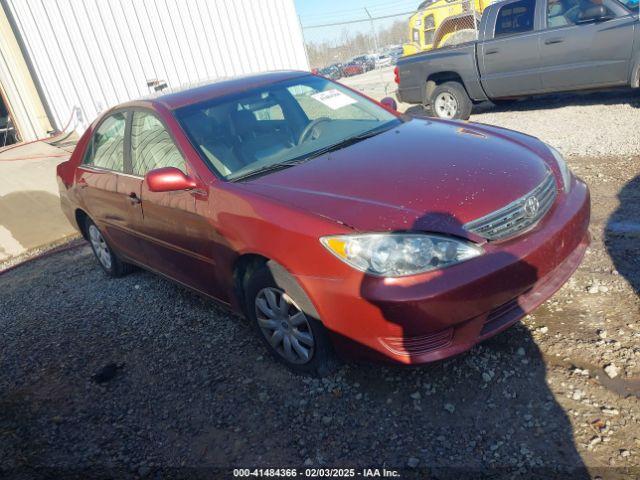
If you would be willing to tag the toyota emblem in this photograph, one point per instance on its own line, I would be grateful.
(531, 207)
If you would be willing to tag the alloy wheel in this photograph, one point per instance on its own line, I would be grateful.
(284, 325)
(446, 105)
(100, 247)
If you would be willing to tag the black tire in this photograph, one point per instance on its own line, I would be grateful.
(108, 260)
(463, 106)
(322, 360)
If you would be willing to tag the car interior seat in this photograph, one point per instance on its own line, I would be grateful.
(215, 141)
(255, 143)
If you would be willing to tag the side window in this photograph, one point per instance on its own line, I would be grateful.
(106, 149)
(558, 12)
(515, 18)
(151, 145)
(571, 12)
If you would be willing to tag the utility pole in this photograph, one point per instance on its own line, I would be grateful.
(373, 31)
(304, 42)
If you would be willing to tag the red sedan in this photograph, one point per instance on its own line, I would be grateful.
(352, 69)
(333, 223)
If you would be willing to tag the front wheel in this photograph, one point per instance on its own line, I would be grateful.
(450, 101)
(287, 322)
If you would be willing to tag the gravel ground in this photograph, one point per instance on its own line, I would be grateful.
(583, 124)
(196, 391)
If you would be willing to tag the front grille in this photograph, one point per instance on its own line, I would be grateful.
(519, 215)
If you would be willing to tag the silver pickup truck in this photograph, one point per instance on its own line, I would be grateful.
(528, 47)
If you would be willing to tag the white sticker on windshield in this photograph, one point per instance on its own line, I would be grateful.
(334, 99)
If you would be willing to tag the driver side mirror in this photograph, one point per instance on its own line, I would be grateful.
(389, 103)
(169, 179)
(596, 13)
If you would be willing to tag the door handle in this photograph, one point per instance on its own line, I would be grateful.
(552, 41)
(491, 52)
(134, 199)
(199, 192)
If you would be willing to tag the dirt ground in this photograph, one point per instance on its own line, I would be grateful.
(198, 393)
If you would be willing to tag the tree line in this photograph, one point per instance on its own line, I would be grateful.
(349, 45)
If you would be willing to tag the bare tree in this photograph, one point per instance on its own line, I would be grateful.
(349, 45)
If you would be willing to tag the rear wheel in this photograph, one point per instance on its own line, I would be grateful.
(287, 322)
(110, 263)
(449, 100)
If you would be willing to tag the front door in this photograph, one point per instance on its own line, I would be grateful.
(578, 53)
(105, 189)
(509, 62)
(172, 229)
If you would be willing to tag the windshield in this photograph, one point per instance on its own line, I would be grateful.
(279, 123)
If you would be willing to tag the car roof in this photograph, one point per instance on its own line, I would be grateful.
(219, 88)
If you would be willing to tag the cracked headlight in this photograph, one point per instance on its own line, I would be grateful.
(397, 254)
(562, 166)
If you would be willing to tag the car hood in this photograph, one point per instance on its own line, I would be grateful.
(422, 175)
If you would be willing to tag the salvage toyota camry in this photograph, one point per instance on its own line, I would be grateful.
(336, 225)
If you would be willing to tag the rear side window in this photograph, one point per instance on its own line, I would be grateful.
(151, 145)
(515, 18)
(106, 149)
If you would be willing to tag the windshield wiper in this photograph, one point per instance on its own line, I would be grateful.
(338, 146)
(274, 167)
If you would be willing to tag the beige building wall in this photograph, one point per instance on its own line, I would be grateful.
(17, 87)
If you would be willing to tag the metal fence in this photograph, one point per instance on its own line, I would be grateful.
(434, 24)
(442, 24)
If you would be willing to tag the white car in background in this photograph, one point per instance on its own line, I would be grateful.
(384, 61)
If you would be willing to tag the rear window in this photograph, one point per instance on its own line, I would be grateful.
(515, 18)
(106, 149)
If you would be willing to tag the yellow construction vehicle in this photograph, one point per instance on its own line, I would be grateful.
(438, 23)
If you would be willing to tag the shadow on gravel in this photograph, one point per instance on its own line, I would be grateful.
(622, 234)
(488, 413)
(201, 396)
(561, 100)
(549, 102)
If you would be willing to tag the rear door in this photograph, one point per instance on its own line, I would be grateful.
(509, 62)
(578, 54)
(106, 190)
(176, 237)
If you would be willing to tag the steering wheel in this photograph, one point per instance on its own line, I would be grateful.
(309, 128)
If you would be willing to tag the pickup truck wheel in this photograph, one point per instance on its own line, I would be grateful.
(450, 100)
